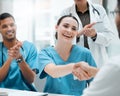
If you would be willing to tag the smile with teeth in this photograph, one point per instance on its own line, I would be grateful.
(67, 35)
(9, 32)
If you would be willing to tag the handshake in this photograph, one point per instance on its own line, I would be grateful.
(83, 71)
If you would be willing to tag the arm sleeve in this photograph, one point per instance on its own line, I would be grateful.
(32, 58)
(44, 59)
(106, 82)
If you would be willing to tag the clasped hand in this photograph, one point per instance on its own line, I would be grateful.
(14, 52)
(83, 71)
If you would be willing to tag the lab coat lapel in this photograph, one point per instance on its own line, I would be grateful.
(92, 14)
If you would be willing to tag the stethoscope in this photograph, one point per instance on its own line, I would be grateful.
(3, 54)
(95, 10)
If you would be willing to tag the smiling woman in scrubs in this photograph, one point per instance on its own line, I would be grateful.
(56, 62)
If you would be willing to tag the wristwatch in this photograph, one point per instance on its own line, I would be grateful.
(94, 38)
(19, 60)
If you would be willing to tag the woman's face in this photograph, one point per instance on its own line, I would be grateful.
(67, 29)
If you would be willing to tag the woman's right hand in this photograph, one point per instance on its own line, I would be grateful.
(83, 71)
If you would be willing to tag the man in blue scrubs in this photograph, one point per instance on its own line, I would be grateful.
(18, 60)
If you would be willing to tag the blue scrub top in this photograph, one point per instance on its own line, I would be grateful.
(14, 78)
(66, 84)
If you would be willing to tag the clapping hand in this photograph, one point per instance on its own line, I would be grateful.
(14, 52)
(88, 30)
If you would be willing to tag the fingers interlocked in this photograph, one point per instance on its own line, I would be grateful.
(14, 52)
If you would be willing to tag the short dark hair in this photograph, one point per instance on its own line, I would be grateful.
(5, 15)
(62, 17)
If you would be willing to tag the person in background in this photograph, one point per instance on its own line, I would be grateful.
(18, 60)
(95, 31)
(56, 62)
(106, 81)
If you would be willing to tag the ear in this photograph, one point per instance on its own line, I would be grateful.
(56, 27)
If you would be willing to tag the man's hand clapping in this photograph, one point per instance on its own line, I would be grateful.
(14, 52)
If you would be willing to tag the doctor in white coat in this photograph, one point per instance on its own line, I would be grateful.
(99, 35)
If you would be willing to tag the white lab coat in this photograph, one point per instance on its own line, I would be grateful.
(98, 47)
(106, 82)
